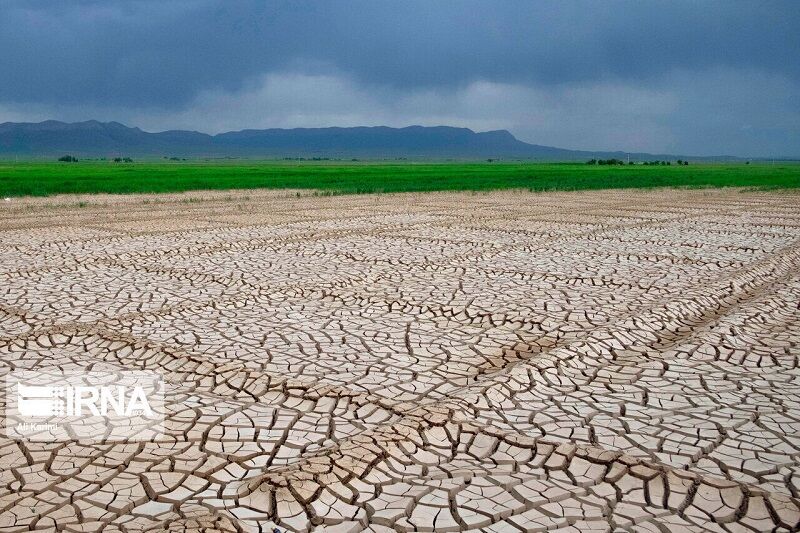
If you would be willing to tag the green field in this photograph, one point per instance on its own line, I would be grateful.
(42, 179)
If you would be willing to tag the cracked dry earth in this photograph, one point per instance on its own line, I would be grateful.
(599, 361)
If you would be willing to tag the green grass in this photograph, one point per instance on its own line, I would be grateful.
(43, 179)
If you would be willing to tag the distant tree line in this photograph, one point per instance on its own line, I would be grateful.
(679, 162)
(605, 162)
(72, 159)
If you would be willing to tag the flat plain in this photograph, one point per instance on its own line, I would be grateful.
(500, 361)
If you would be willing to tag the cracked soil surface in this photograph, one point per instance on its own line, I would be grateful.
(510, 361)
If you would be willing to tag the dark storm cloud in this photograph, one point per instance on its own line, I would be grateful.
(148, 54)
(165, 52)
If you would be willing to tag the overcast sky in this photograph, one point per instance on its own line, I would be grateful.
(681, 77)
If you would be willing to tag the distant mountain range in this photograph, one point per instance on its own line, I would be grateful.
(93, 139)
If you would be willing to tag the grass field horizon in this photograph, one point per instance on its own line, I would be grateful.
(87, 177)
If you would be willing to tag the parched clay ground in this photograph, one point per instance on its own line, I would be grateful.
(597, 361)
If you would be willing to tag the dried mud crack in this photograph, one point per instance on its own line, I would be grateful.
(598, 361)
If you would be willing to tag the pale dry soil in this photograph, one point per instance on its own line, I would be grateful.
(511, 361)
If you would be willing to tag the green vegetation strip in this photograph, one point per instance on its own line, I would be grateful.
(42, 179)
